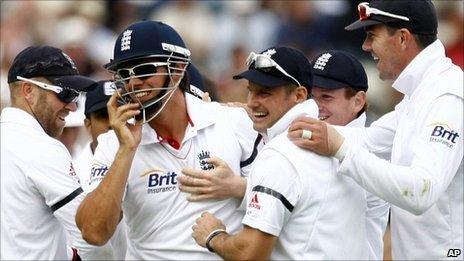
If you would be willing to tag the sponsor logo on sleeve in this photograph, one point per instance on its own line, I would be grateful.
(254, 203)
(97, 173)
(443, 134)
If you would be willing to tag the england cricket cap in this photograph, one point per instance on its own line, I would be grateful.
(147, 39)
(292, 61)
(419, 16)
(337, 69)
(51, 63)
(97, 98)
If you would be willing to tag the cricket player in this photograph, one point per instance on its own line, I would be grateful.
(136, 165)
(39, 188)
(298, 208)
(423, 180)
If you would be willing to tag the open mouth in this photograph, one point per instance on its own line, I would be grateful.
(141, 94)
(260, 114)
(323, 118)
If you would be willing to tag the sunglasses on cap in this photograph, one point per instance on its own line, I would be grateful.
(66, 95)
(265, 63)
(141, 71)
(365, 11)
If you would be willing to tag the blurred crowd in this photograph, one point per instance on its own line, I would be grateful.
(220, 35)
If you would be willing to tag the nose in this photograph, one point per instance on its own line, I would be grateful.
(366, 46)
(252, 101)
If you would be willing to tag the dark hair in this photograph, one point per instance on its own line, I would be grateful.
(423, 40)
(350, 92)
(99, 114)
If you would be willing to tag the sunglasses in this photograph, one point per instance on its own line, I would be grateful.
(141, 71)
(365, 12)
(66, 95)
(265, 63)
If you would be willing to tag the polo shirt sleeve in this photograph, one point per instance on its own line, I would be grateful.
(437, 154)
(275, 189)
(103, 158)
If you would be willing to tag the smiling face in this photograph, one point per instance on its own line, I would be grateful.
(268, 105)
(386, 50)
(334, 105)
(51, 112)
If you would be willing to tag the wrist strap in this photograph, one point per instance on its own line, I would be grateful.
(211, 236)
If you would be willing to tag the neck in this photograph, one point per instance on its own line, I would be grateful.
(173, 120)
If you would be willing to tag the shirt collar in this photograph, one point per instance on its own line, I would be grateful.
(202, 114)
(412, 75)
(307, 108)
(358, 122)
(21, 117)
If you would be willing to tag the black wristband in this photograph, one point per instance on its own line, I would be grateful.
(211, 236)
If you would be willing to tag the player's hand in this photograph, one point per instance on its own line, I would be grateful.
(129, 135)
(325, 140)
(203, 226)
(218, 183)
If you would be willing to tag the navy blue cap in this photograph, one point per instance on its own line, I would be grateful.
(291, 60)
(51, 63)
(338, 69)
(195, 77)
(421, 13)
(97, 98)
(145, 39)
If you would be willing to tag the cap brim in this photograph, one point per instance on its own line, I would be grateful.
(262, 78)
(76, 82)
(328, 83)
(361, 24)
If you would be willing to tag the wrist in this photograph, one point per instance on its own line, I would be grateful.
(239, 187)
(214, 234)
(342, 150)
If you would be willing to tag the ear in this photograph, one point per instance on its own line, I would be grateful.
(87, 124)
(28, 92)
(301, 94)
(405, 37)
(359, 100)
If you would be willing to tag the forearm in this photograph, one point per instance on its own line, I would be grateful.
(238, 247)
(238, 187)
(100, 212)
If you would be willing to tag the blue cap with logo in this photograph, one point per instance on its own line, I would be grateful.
(98, 98)
(51, 63)
(419, 16)
(145, 39)
(338, 69)
(280, 66)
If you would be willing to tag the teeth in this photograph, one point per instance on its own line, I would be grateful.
(141, 94)
(375, 57)
(259, 114)
(323, 118)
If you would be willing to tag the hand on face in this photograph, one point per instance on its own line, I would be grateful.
(218, 183)
(203, 226)
(129, 135)
(325, 140)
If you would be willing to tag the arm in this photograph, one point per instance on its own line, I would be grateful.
(248, 244)
(100, 212)
(435, 160)
(376, 223)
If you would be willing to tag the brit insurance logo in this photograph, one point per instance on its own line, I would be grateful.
(442, 133)
(97, 173)
(159, 181)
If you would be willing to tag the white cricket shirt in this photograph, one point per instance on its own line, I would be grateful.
(158, 216)
(424, 180)
(297, 196)
(40, 193)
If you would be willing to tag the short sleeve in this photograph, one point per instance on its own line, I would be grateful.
(103, 158)
(275, 189)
